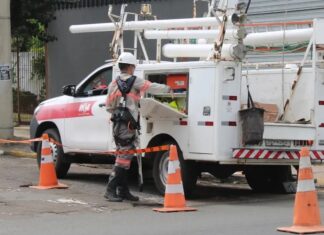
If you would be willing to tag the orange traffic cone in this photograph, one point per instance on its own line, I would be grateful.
(174, 199)
(47, 176)
(307, 218)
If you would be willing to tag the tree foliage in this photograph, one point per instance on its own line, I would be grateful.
(30, 18)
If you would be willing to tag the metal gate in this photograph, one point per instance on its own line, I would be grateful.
(28, 83)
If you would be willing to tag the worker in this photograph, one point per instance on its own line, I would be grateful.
(122, 102)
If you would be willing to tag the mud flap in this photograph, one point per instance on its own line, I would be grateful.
(290, 187)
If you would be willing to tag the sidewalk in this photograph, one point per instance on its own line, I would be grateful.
(18, 150)
(22, 132)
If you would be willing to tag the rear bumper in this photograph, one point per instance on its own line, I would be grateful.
(272, 154)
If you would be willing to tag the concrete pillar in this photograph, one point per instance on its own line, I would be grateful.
(6, 105)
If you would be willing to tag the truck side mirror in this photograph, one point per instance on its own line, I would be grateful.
(69, 90)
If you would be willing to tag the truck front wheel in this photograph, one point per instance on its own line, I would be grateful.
(189, 171)
(270, 179)
(61, 166)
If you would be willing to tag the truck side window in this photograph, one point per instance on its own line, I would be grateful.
(97, 84)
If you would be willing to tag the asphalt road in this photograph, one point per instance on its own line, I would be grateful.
(223, 208)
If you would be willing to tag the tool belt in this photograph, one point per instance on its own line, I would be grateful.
(124, 142)
(123, 115)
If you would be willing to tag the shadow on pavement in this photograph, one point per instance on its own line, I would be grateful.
(207, 190)
(89, 178)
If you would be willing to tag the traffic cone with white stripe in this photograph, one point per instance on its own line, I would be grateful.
(174, 199)
(47, 175)
(307, 218)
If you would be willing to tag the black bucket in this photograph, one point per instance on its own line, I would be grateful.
(252, 125)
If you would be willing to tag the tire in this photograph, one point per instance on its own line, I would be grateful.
(269, 179)
(61, 165)
(189, 172)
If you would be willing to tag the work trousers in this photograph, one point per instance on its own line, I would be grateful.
(124, 133)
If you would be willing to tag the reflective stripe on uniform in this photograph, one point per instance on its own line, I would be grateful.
(174, 188)
(305, 186)
(146, 86)
(134, 96)
(114, 96)
(304, 162)
(173, 166)
(123, 161)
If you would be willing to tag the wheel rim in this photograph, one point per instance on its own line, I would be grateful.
(54, 149)
(163, 168)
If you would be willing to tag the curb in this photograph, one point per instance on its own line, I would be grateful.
(20, 154)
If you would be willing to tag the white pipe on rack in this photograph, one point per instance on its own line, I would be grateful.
(180, 34)
(252, 39)
(187, 50)
(229, 51)
(277, 37)
(183, 34)
(147, 24)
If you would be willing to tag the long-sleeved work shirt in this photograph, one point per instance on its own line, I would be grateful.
(140, 86)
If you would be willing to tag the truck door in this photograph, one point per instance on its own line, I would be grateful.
(201, 110)
(87, 124)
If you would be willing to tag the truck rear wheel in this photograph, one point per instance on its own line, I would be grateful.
(189, 171)
(270, 179)
(61, 166)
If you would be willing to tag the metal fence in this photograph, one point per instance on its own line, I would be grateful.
(71, 4)
(28, 87)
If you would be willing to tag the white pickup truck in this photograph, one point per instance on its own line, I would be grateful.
(206, 128)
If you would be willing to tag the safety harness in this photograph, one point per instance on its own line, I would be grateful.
(121, 114)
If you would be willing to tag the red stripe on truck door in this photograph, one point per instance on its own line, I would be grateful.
(71, 110)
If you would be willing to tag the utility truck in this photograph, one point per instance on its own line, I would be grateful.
(207, 118)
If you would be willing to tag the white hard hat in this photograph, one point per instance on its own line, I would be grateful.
(127, 58)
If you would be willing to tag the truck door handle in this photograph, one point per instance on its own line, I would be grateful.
(102, 105)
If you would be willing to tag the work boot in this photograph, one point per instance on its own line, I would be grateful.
(115, 179)
(124, 193)
(123, 190)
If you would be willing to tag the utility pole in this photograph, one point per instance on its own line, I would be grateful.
(6, 105)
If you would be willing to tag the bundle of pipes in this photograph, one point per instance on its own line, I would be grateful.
(202, 50)
(199, 50)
